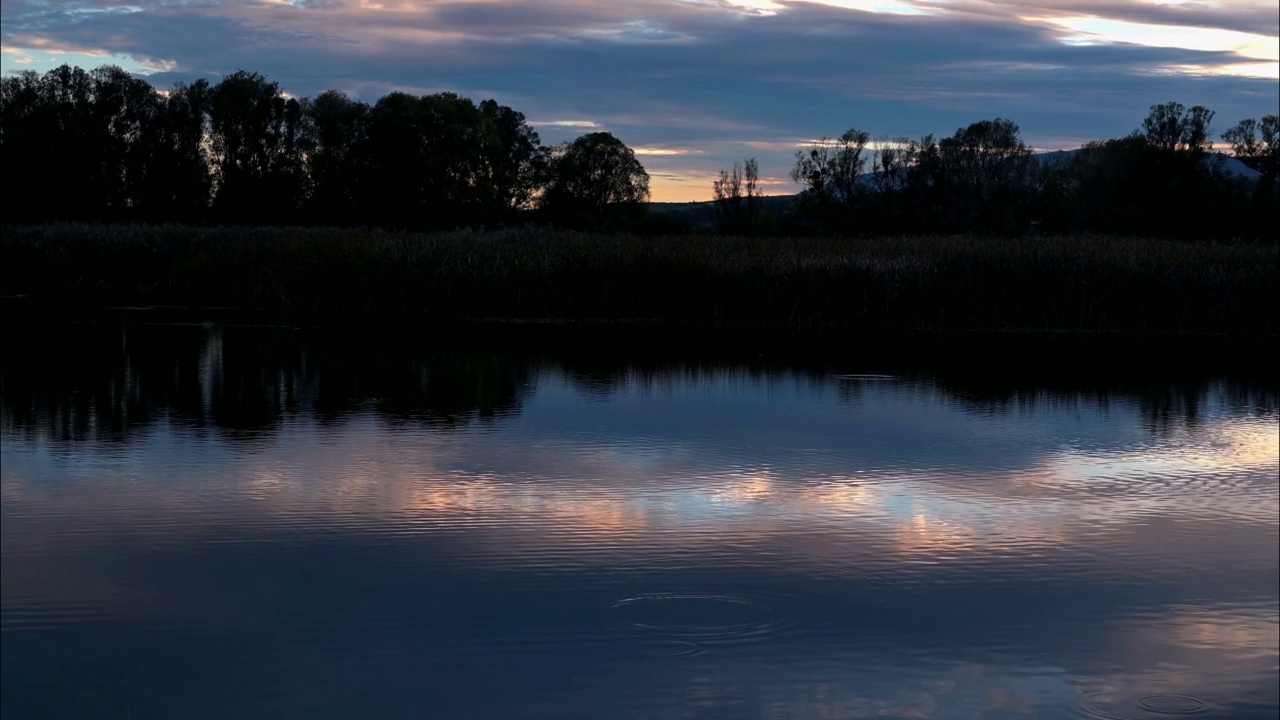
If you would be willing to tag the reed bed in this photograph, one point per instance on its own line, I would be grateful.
(337, 276)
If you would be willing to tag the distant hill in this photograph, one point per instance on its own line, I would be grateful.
(1230, 164)
(702, 215)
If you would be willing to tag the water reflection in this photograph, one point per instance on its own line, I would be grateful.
(99, 381)
(217, 523)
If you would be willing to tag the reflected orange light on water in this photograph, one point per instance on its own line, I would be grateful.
(1244, 637)
(574, 495)
(745, 490)
(1216, 454)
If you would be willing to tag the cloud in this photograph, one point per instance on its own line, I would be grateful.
(566, 123)
(663, 152)
(728, 77)
(1093, 30)
(18, 57)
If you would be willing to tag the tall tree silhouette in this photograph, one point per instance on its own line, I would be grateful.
(830, 172)
(519, 163)
(125, 122)
(1257, 144)
(254, 131)
(1143, 183)
(431, 161)
(337, 156)
(892, 160)
(182, 186)
(988, 174)
(1172, 127)
(28, 134)
(48, 133)
(95, 136)
(737, 197)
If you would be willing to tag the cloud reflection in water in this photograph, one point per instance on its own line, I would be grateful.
(801, 549)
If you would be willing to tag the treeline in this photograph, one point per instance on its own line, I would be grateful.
(1163, 180)
(103, 145)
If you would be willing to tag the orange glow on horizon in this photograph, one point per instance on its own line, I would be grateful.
(667, 189)
(681, 189)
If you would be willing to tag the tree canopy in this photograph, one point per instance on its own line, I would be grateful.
(595, 181)
(985, 178)
(104, 145)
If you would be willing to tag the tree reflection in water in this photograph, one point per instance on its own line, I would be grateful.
(102, 382)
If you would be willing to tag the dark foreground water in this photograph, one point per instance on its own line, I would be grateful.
(206, 523)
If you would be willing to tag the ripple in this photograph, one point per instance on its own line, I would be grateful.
(674, 648)
(1171, 704)
(698, 616)
(1115, 706)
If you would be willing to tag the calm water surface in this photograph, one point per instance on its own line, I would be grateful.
(210, 523)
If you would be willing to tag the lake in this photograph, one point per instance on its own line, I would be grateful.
(237, 522)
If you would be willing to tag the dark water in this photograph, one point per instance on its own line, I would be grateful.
(207, 523)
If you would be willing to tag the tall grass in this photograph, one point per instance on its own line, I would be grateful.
(320, 276)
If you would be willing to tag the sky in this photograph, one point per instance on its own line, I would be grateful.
(695, 85)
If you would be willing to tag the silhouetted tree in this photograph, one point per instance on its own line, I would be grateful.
(1110, 178)
(1056, 189)
(104, 145)
(595, 181)
(49, 134)
(830, 171)
(27, 132)
(397, 191)
(182, 179)
(892, 160)
(336, 156)
(519, 166)
(253, 132)
(121, 125)
(737, 197)
(1186, 174)
(923, 197)
(1144, 183)
(95, 136)
(432, 161)
(1257, 145)
(988, 170)
(1171, 127)
(462, 149)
